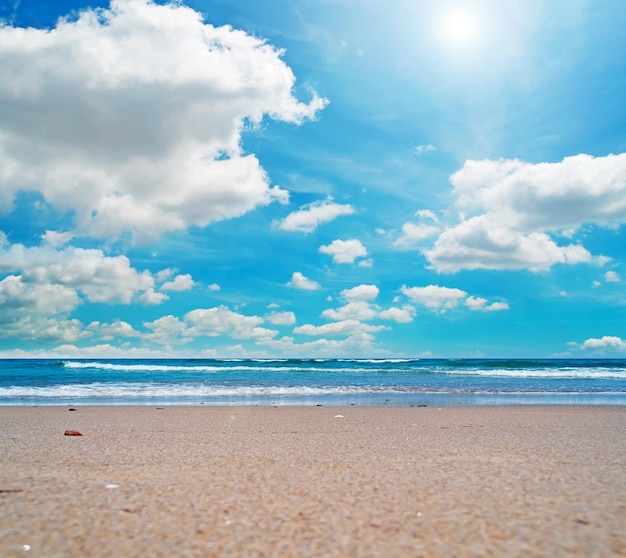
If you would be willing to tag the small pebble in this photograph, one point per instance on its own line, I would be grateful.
(72, 433)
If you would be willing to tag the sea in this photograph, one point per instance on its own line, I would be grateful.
(311, 382)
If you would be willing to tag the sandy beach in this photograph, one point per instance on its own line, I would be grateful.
(313, 481)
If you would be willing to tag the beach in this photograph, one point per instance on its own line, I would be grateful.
(313, 481)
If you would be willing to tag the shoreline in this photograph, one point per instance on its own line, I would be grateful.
(364, 400)
(313, 481)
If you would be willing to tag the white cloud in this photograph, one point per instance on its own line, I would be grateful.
(366, 263)
(478, 303)
(310, 216)
(214, 287)
(164, 274)
(479, 243)
(612, 277)
(434, 297)
(606, 342)
(132, 118)
(38, 312)
(400, 315)
(168, 330)
(345, 327)
(98, 277)
(213, 322)
(497, 307)
(344, 251)
(57, 239)
(415, 232)
(358, 307)
(516, 204)
(299, 281)
(360, 310)
(151, 297)
(281, 318)
(112, 331)
(412, 233)
(358, 343)
(422, 149)
(361, 292)
(180, 283)
(441, 299)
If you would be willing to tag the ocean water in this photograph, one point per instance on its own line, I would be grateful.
(309, 382)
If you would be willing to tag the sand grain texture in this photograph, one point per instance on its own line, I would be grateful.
(264, 481)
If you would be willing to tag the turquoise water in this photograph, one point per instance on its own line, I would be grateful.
(388, 382)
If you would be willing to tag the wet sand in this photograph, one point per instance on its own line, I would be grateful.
(301, 481)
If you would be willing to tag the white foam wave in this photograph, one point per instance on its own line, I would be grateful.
(172, 391)
(142, 367)
(260, 366)
(208, 368)
(564, 373)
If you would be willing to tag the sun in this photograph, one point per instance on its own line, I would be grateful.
(459, 27)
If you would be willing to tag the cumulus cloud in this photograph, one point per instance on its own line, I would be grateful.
(97, 277)
(400, 315)
(44, 284)
(38, 312)
(479, 243)
(299, 281)
(57, 239)
(112, 331)
(360, 307)
(150, 297)
(513, 205)
(344, 251)
(310, 216)
(131, 118)
(612, 277)
(434, 297)
(167, 330)
(212, 322)
(214, 287)
(180, 283)
(441, 299)
(345, 327)
(361, 292)
(478, 303)
(427, 226)
(608, 342)
(281, 318)
(360, 310)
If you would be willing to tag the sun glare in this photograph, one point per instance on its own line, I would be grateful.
(459, 27)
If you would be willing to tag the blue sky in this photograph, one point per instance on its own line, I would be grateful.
(304, 178)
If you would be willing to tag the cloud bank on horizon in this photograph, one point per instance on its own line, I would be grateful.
(179, 180)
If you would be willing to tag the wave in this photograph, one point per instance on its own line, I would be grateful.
(142, 367)
(290, 366)
(139, 390)
(389, 367)
(548, 373)
(173, 392)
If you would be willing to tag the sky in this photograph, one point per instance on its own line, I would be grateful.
(312, 178)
